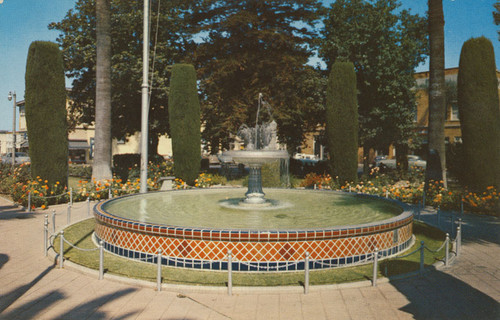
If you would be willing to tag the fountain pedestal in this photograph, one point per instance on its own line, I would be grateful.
(255, 159)
(254, 194)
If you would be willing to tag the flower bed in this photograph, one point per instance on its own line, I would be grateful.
(412, 191)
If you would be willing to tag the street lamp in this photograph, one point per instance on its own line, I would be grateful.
(10, 96)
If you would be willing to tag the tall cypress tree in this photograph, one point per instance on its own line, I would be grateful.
(478, 106)
(184, 117)
(46, 112)
(342, 121)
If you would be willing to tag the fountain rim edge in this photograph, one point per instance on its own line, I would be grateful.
(405, 214)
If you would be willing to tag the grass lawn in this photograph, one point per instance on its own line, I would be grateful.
(80, 235)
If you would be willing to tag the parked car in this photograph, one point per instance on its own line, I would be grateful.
(413, 161)
(21, 157)
(416, 161)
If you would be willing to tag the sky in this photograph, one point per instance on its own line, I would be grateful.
(25, 21)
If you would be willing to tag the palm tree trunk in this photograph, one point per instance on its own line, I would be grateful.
(436, 169)
(102, 162)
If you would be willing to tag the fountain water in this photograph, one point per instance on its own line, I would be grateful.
(261, 148)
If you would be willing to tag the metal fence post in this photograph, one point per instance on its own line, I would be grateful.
(375, 267)
(447, 250)
(229, 273)
(158, 274)
(69, 213)
(306, 276)
(53, 221)
(45, 233)
(61, 250)
(101, 260)
(422, 257)
(29, 202)
(88, 206)
(71, 196)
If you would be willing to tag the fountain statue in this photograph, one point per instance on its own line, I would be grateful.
(260, 148)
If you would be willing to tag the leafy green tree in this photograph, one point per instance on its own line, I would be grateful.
(385, 44)
(436, 170)
(253, 47)
(184, 110)
(479, 112)
(342, 121)
(170, 38)
(46, 112)
(101, 169)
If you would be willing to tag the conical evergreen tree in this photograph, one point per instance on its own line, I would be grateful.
(478, 106)
(46, 112)
(342, 121)
(184, 117)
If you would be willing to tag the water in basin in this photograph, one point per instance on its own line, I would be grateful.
(292, 209)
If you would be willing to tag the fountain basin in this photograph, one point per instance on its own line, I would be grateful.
(255, 157)
(261, 248)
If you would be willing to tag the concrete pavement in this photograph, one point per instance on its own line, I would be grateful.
(32, 287)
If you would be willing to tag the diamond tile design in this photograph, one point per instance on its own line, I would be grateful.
(253, 250)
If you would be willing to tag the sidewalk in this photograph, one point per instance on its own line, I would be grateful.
(32, 287)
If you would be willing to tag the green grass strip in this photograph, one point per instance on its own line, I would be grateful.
(80, 234)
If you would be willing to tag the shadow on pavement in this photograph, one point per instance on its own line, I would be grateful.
(31, 309)
(14, 212)
(87, 310)
(437, 295)
(9, 298)
(3, 259)
(475, 228)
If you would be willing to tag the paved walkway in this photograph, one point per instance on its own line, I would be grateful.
(31, 287)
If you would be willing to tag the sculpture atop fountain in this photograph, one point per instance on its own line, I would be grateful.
(261, 147)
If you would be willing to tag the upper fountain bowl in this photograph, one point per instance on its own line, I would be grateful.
(255, 157)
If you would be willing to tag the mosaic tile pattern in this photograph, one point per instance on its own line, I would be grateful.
(253, 250)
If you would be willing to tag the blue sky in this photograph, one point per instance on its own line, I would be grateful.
(25, 21)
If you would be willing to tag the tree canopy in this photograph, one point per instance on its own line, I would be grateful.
(251, 47)
(385, 44)
(78, 43)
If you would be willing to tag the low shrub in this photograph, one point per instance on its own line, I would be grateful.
(123, 163)
(80, 170)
